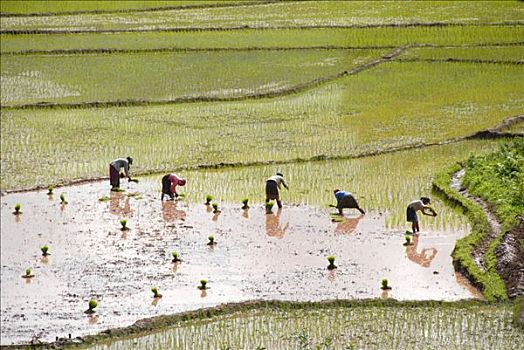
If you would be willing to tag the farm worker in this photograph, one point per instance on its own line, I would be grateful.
(346, 200)
(273, 186)
(114, 171)
(169, 184)
(416, 205)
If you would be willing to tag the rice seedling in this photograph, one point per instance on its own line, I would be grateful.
(156, 294)
(211, 241)
(269, 207)
(331, 260)
(91, 306)
(175, 256)
(384, 284)
(209, 198)
(50, 190)
(245, 203)
(215, 208)
(123, 224)
(407, 239)
(203, 284)
(45, 250)
(63, 199)
(104, 199)
(17, 209)
(28, 273)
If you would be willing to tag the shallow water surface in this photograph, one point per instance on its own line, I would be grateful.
(258, 256)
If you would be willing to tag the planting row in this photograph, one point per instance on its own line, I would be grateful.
(318, 326)
(288, 14)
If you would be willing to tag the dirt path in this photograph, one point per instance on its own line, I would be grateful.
(281, 256)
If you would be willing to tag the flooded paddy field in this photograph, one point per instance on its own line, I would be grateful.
(257, 256)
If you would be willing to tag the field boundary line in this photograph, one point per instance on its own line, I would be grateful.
(460, 60)
(492, 133)
(250, 27)
(243, 49)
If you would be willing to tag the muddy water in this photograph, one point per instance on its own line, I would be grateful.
(257, 256)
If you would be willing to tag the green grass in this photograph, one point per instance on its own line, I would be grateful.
(284, 14)
(168, 75)
(488, 280)
(54, 6)
(270, 38)
(498, 53)
(335, 325)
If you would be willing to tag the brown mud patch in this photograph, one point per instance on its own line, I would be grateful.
(279, 256)
(510, 260)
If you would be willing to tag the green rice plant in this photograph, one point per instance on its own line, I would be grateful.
(331, 260)
(123, 224)
(215, 208)
(63, 199)
(407, 239)
(28, 273)
(104, 199)
(91, 305)
(269, 207)
(203, 284)
(209, 198)
(17, 209)
(211, 241)
(175, 256)
(155, 293)
(45, 250)
(50, 190)
(244, 203)
(385, 284)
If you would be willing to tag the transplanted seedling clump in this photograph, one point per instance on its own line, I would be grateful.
(211, 241)
(384, 284)
(123, 223)
(244, 202)
(63, 199)
(175, 256)
(203, 285)
(28, 273)
(408, 240)
(91, 306)
(269, 207)
(156, 294)
(209, 198)
(331, 260)
(50, 190)
(215, 208)
(17, 209)
(45, 250)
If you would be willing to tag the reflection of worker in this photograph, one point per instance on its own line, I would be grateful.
(273, 186)
(348, 225)
(169, 184)
(170, 212)
(273, 226)
(346, 200)
(418, 205)
(424, 258)
(114, 171)
(114, 204)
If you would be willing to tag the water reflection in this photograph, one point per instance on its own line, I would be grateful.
(347, 225)
(273, 226)
(426, 255)
(170, 212)
(115, 205)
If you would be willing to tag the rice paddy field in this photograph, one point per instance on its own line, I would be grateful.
(371, 97)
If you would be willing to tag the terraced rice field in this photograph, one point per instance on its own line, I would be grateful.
(371, 97)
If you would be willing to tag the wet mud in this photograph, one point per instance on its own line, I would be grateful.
(257, 256)
(510, 261)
